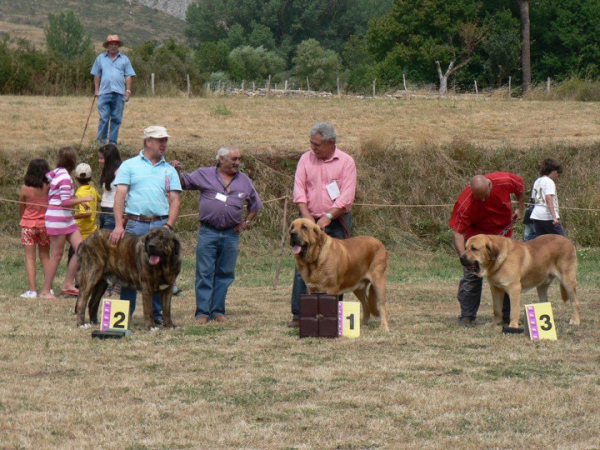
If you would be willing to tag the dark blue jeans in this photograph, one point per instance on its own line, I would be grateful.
(339, 228)
(107, 219)
(141, 228)
(216, 255)
(547, 227)
(110, 108)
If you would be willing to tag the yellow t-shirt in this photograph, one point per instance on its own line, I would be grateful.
(87, 225)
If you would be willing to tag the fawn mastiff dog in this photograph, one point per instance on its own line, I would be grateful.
(513, 267)
(146, 263)
(336, 266)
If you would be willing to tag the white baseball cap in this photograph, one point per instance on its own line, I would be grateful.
(83, 170)
(156, 132)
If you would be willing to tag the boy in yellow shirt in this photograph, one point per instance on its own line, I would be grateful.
(85, 219)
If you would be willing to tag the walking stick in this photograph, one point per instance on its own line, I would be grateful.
(87, 121)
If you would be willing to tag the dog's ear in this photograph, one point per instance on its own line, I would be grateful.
(177, 248)
(492, 252)
(146, 241)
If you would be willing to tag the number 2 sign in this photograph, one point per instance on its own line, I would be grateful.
(115, 315)
(540, 321)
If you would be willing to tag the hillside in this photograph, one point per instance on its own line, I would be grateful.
(133, 21)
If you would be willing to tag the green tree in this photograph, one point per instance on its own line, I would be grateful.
(248, 63)
(321, 66)
(66, 36)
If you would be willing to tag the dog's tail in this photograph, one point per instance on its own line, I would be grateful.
(372, 298)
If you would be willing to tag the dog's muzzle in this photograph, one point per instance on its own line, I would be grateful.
(296, 243)
(470, 266)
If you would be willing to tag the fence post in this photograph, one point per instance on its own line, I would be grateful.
(243, 82)
(253, 86)
(476, 91)
(548, 85)
(208, 87)
(284, 235)
(337, 83)
(188, 85)
(509, 87)
(404, 82)
(152, 83)
(269, 86)
(307, 84)
(285, 85)
(374, 84)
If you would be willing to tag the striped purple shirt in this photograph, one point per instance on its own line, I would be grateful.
(59, 216)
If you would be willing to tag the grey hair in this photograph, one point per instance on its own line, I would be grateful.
(224, 152)
(325, 129)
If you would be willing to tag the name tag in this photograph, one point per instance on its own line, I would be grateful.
(333, 190)
(221, 197)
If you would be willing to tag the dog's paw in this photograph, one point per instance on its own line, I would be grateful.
(154, 329)
(573, 322)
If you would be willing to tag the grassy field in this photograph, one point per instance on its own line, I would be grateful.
(253, 383)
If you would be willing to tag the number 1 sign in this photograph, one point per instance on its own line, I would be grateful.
(349, 319)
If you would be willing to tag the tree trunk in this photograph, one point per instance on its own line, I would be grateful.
(525, 44)
(444, 77)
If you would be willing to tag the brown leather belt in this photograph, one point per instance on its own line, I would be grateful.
(145, 219)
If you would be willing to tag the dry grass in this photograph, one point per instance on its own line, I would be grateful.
(254, 384)
(263, 125)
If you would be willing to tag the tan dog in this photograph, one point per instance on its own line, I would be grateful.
(513, 267)
(148, 263)
(336, 266)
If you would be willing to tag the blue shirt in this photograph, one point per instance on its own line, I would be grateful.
(222, 207)
(149, 185)
(112, 73)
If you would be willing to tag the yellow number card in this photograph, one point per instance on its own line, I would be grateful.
(349, 319)
(115, 315)
(540, 321)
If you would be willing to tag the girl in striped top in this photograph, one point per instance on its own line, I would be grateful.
(60, 224)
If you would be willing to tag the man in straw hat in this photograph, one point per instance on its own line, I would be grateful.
(112, 72)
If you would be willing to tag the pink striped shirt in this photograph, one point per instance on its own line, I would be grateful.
(314, 174)
(59, 216)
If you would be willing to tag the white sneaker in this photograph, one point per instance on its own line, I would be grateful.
(29, 294)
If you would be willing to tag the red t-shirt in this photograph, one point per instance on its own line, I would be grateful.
(471, 216)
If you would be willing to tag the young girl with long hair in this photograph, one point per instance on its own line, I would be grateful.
(110, 160)
(60, 224)
(33, 202)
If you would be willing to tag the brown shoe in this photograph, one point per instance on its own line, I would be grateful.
(221, 319)
(294, 323)
(201, 320)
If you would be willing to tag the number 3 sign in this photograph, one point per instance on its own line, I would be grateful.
(115, 315)
(540, 321)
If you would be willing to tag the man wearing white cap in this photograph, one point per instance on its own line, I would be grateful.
(150, 188)
(112, 72)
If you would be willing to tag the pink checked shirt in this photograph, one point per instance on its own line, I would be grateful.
(314, 174)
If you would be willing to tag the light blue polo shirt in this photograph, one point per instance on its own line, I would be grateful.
(112, 73)
(148, 185)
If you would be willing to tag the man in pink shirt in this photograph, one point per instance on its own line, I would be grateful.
(324, 188)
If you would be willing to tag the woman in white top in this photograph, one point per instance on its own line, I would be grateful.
(110, 160)
(545, 217)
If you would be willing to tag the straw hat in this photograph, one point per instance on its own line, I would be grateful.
(112, 38)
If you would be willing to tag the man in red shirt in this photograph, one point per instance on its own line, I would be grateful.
(484, 207)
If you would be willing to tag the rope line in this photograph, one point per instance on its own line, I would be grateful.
(273, 200)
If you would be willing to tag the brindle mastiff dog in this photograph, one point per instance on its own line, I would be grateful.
(146, 263)
(336, 266)
(513, 267)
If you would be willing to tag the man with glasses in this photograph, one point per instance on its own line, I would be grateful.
(224, 194)
(484, 207)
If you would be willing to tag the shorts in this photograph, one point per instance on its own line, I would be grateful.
(34, 236)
